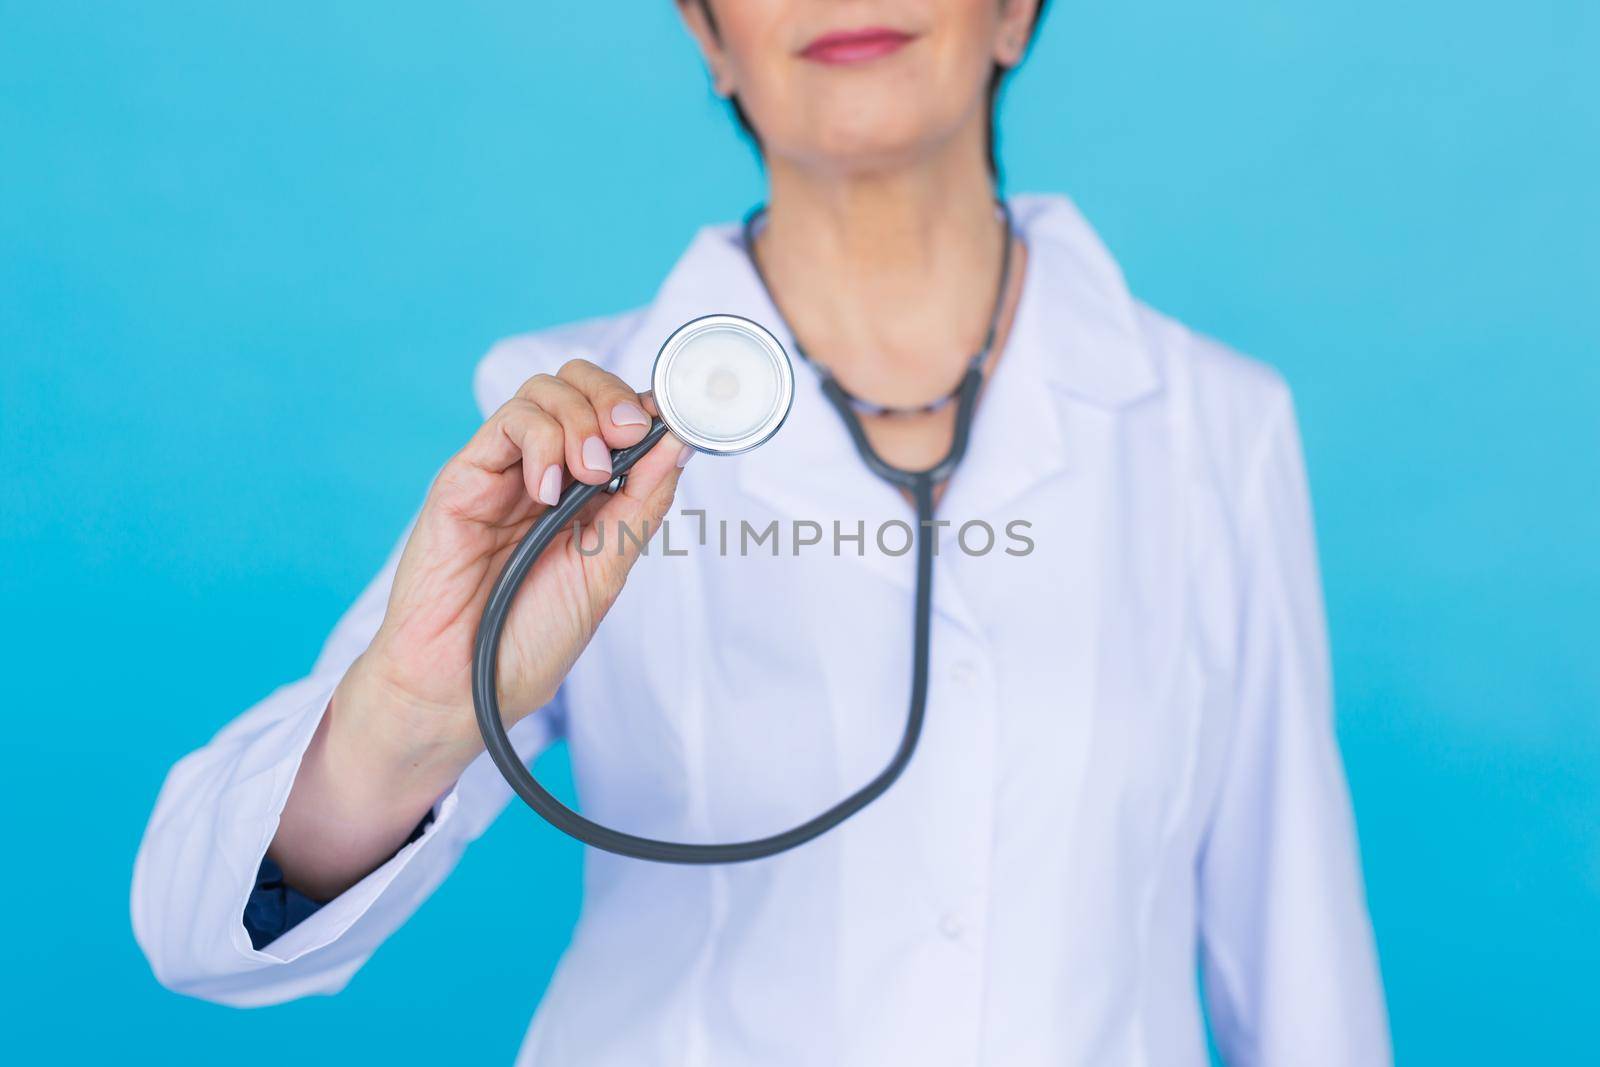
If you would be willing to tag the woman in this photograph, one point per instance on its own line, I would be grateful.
(1128, 751)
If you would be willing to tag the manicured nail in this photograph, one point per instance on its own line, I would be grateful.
(626, 414)
(596, 456)
(685, 456)
(550, 485)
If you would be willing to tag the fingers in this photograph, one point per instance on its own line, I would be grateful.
(622, 419)
(521, 432)
(597, 412)
(556, 426)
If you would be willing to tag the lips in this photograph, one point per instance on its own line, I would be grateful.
(855, 46)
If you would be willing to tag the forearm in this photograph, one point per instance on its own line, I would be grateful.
(362, 787)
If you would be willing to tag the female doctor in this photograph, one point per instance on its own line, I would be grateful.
(1128, 761)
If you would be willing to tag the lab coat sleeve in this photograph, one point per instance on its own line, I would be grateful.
(1287, 953)
(218, 811)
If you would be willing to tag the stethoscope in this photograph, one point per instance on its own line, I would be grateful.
(724, 385)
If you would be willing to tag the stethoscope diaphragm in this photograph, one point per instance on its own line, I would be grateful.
(722, 384)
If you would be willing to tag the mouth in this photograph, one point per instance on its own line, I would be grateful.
(855, 46)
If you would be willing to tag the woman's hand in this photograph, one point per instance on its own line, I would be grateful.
(556, 429)
(401, 725)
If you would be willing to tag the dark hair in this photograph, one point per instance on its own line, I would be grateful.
(996, 77)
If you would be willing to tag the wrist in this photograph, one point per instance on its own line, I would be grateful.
(392, 745)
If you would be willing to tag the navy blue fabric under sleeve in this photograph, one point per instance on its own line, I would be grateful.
(275, 907)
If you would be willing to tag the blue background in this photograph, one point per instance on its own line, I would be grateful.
(250, 253)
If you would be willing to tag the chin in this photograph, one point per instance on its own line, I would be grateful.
(860, 142)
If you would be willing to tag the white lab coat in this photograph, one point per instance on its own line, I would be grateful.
(1128, 764)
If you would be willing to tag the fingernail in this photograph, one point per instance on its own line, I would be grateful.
(685, 456)
(596, 456)
(626, 414)
(550, 485)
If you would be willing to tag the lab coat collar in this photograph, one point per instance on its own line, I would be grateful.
(1079, 316)
(1075, 335)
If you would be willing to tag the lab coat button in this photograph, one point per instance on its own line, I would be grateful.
(950, 926)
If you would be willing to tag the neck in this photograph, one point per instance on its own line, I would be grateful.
(887, 278)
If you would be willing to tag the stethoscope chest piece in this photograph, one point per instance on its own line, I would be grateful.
(723, 384)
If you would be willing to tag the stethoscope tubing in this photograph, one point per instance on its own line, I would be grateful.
(486, 701)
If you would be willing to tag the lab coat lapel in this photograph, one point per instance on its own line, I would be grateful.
(1075, 339)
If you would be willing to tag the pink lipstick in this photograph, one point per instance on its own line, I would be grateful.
(855, 46)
